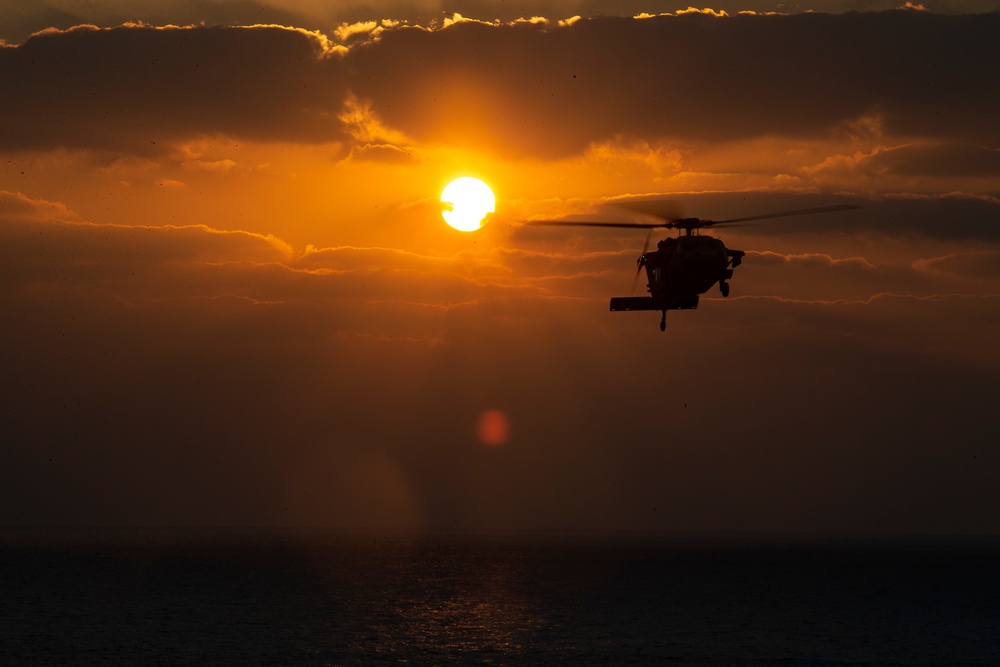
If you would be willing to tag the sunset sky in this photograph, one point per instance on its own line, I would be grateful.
(229, 297)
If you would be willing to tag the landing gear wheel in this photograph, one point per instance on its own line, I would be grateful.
(724, 288)
(663, 321)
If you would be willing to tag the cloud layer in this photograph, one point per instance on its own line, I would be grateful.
(185, 375)
(527, 88)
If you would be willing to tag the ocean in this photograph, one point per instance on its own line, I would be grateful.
(198, 597)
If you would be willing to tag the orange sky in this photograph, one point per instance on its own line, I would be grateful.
(231, 298)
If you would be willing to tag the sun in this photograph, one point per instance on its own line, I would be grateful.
(466, 202)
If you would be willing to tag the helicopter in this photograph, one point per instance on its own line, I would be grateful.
(682, 267)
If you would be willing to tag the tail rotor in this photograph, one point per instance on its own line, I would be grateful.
(641, 262)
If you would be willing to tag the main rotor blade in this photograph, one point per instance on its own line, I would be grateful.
(683, 223)
(785, 214)
(597, 223)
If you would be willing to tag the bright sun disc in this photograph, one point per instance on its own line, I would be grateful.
(466, 202)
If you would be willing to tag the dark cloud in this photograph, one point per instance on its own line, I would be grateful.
(530, 89)
(19, 23)
(941, 160)
(21, 20)
(539, 88)
(936, 217)
(128, 88)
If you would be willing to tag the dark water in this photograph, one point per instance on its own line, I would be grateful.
(177, 598)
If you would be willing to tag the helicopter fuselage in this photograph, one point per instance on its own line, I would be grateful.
(680, 270)
(684, 267)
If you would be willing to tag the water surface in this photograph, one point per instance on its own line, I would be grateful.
(308, 598)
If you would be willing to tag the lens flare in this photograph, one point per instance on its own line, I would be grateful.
(493, 428)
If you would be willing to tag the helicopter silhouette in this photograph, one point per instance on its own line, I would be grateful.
(684, 267)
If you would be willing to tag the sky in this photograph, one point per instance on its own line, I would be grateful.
(229, 297)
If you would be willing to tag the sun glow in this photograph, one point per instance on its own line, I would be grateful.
(466, 202)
